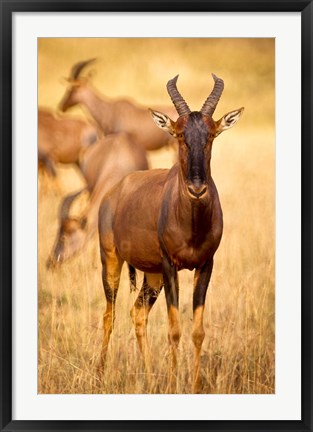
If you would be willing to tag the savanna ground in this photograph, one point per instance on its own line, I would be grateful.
(238, 353)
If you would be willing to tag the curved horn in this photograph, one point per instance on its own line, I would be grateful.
(211, 102)
(78, 67)
(181, 107)
(66, 204)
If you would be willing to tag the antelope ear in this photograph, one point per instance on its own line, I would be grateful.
(72, 82)
(229, 120)
(163, 122)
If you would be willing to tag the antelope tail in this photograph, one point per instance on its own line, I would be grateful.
(132, 277)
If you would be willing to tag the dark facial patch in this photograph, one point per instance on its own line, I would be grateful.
(196, 137)
(196, 130)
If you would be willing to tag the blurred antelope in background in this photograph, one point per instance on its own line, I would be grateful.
(102, 165)
(118, 115)
(60, 140)
(162, 221)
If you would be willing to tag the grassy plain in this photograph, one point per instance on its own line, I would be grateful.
(239, 348)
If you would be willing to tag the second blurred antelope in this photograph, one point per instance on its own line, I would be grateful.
(113, 115)
(61, 139)
(103, 165)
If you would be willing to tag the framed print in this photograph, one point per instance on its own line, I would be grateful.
(113, 315)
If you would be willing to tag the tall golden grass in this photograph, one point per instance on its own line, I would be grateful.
(239, 348)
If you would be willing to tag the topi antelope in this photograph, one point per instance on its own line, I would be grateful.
(61, 139)
(119, 115)
(103, 165)
(162, 221)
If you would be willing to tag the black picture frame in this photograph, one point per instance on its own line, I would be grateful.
(7, 8)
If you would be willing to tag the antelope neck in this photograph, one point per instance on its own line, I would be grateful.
(99, 109)
(192, 213)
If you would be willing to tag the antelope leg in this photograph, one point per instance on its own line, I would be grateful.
(111, 271)
(172, 295)
(151, 287)
(201, 282)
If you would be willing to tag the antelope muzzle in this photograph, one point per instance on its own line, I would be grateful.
(57, 256)
(197, 188)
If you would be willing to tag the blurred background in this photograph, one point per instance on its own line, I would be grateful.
(238, 351)
(140, 69)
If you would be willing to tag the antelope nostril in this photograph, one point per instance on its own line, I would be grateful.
(197, 185)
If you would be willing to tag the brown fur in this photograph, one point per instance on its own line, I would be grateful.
(102, 165)
(61, 139)
(162, 221)
(116, 115)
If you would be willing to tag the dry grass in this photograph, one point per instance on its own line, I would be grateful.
(238, 351)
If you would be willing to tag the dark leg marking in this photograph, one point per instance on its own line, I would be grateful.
(170, 283)
(202, 279)
(147, 295)
(132, 277)
(172, 299)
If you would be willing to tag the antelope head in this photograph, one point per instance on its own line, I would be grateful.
(76, 86)
(71, 234)
(195, 131)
